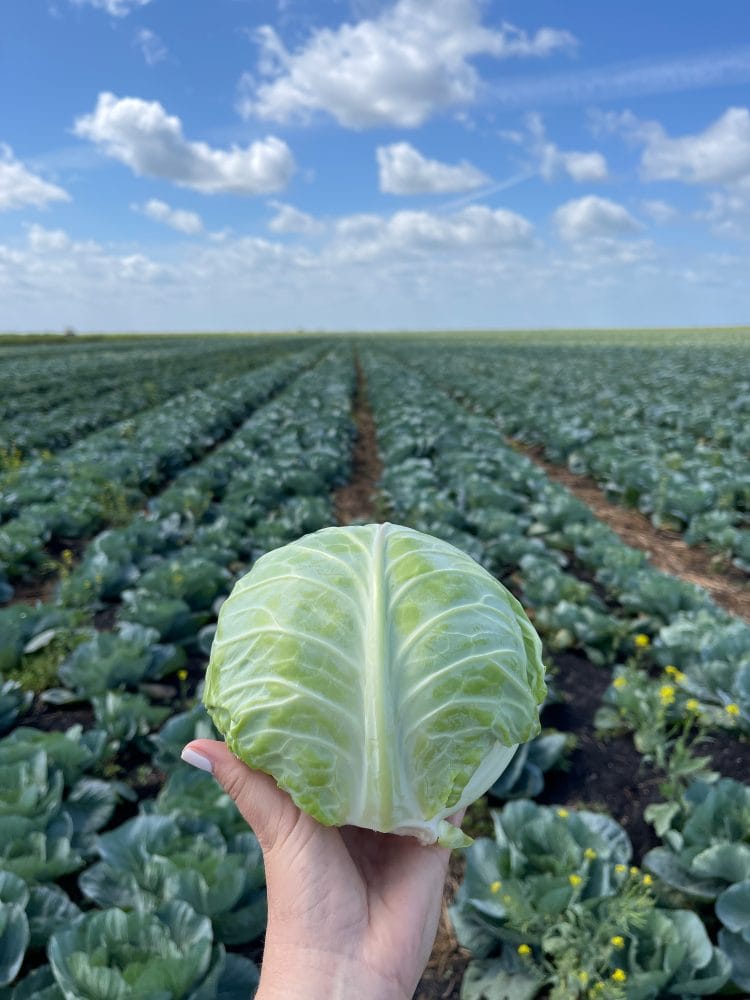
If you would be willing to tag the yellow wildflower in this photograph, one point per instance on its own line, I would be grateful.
(666, 694)
(523, 949)
(692, 705)
(634, 870)
(619, 975)
(583, 977)
(618, 941)
(732, 708)
(575, 880)
(496, 886)
(674, 673)
(182, 675)
(620, 869)
(619, 683)
(563, 813)
(590, 853)
(647, 880)
(642, 640)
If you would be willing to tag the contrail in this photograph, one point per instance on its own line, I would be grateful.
(623, 80)
(509, 182)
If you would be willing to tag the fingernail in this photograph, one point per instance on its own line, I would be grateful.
(197, 760)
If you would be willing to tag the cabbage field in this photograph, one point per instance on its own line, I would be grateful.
(603, 478)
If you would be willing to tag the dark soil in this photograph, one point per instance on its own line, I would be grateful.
(356, 500)
(105, 619)
(611, 776)
(668, 552)
(729, 753)
(50, 719)
(29, 592)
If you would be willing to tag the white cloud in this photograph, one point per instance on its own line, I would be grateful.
(728, 212)
(152, 47)
(42, 240)
(584, 168)
(183, 221)
(476, 228)
(403, 170)
(117, 8)
(143, 136)
(658, 210)
(718, 155)
(289, 219)
(396, 68)
(409, 270)
(593, 217)
(19, 187)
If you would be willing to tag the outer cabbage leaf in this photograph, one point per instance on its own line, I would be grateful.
(380, 675)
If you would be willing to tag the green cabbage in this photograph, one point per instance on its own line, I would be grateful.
(379, 674)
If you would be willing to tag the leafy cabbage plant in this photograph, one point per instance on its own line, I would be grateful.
(381, 675)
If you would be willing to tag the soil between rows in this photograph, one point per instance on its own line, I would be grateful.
(667, 551)
(355, 501)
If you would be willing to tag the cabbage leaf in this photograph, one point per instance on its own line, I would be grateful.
(382, 676)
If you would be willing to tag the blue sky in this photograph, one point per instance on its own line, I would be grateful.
(363, 164)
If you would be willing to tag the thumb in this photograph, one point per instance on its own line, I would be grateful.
(268, 810)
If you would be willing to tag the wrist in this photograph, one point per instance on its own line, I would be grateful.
(310, 974)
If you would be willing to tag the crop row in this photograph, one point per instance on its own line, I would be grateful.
(666, 432)
(93, 396)
(450, 473)
(554, 900)
(173, 892)
(107, 475)
(38, 378)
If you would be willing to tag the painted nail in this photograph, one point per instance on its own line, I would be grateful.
(197, 760)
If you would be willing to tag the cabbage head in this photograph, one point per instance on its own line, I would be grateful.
(380, 675)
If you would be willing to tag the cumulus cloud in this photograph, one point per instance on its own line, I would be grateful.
(658, 210)
(143, 136)
(183, 221)
(396, 68)
(728, 212)
(583, 167)
(42, 240)
(152, 47)
(593, 217)
(20, 187)
(403, 170)
(289, 219)
(117, 8)
(476, 228)
(720, 154)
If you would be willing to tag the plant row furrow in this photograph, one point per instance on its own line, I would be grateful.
(667, 431)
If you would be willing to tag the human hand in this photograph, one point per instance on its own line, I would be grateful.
(351, 913)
